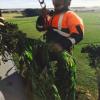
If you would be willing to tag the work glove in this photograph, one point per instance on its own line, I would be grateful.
(41, 24)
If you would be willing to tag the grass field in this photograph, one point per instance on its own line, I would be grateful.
(85, 75)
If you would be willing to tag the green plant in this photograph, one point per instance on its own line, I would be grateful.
(32, 58)
(94, 59)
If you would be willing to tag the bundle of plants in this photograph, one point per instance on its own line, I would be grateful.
(32, 61)
(35, 67)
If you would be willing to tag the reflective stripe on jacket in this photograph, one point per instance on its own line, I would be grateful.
(68, 24)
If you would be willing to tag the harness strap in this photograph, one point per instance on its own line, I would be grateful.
(60, 22)
(62, 33)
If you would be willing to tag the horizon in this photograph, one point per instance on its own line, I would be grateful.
(50, 8)
(14, 4)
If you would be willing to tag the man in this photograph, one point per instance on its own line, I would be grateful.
(64, 29)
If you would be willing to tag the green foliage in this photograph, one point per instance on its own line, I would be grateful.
(93, 54)
(32, 58)
(35, 68)
(31, 12)
(94, 59)
(10, 35)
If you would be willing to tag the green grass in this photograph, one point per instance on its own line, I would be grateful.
(26, 24)
(92, 26)
(85, 75)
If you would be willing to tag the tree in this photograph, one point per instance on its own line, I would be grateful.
(31, 12)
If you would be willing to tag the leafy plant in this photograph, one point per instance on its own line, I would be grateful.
(32, 58)
(94, 59)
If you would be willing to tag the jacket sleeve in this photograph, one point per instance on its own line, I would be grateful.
(43, 22)
(76, 28)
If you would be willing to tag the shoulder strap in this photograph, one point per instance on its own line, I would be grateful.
(60, 27)
(60, 21)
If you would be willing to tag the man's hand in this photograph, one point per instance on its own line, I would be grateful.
(43, 21)
(41, 24)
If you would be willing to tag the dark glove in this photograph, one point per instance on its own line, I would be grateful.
(41, 23)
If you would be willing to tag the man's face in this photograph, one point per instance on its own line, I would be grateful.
(58, 3)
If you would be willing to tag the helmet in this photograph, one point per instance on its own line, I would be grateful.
(59, 4)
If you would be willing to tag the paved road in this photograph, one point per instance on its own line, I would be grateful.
(11, 85)
(5, 69)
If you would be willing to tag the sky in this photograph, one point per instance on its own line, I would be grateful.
(35, 4)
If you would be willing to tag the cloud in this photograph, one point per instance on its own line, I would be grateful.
(86, 3)
(18, 4)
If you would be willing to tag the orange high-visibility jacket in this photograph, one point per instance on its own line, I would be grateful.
(68, 24)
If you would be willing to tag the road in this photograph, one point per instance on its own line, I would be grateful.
(12, 86)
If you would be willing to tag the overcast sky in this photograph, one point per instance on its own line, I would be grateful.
(35, 4)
